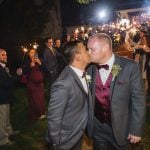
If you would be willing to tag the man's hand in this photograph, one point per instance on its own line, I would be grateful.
(134, 139)
(19, 71)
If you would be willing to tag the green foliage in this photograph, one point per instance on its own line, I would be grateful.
(26, 20)
(84, 1)
(32, 135)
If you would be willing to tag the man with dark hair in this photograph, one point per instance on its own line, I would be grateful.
(50, 61)
(59, 54)
(68, 106)
(57, 44)
(119, 100)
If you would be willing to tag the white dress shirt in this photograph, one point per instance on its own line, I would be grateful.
(3, 65)
(82, 79)
(105, 73)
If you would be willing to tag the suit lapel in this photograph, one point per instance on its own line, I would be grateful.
(88, 99)
(117, 62)
(77, 80)
(92, 73)
(6, 73)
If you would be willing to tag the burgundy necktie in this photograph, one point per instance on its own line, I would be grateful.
(103, 66)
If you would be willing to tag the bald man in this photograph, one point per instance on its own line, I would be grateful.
(118, 95)
(7, 82)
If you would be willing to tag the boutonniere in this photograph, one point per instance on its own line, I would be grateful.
(88, 78)
(115, 70)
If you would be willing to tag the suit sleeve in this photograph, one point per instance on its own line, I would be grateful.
(8, 82)
(56, 108)
(45, 61)
(138, 102)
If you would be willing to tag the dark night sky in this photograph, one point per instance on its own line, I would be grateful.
(74, 13)
(12, 13)
(16, 18)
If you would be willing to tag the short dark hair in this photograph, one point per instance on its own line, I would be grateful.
(46, 39)
(70, 49)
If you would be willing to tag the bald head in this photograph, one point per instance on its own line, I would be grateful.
(2, 50)
(103, 38)
(3, 56)
(100, 48)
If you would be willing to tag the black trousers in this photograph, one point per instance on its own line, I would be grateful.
(52, 76)
(104, 138)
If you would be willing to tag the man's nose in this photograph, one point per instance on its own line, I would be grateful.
(89, 51)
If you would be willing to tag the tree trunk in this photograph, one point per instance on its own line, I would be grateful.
(54, 26)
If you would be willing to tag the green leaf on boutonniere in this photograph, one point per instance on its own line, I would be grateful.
(115, 70)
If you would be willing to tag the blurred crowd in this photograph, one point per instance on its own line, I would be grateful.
(134, 38)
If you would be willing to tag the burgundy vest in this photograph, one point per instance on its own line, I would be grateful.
(102, 99)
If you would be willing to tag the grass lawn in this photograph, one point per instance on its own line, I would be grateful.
(32, 134)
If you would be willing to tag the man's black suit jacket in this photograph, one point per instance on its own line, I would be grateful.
(6, 85)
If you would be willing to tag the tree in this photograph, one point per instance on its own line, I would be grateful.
(84, 1)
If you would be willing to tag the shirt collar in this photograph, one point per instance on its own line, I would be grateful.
(3, 65)
(110, 62)
(50, 47)
(78, 71)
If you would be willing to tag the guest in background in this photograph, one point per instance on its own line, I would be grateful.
(74, 36)
(33, 78)
(132, 38)
(50, 61)
(142, 57)
(147, 66)
(145, 43)
(59, 54)
(7, 82)
(65, 39)
(57, 45)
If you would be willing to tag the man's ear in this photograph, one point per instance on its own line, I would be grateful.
(78, 56)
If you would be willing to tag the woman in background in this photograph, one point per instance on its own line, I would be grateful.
(33, 78)
(142, 55)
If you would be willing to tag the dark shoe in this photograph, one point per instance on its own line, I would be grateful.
(8, 143)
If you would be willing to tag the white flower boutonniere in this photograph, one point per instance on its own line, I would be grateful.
(88, 78)
(115, 70)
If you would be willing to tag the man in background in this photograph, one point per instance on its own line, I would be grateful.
(7, 82)
(60, 56)
(50, 61)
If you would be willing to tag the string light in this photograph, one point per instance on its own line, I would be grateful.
(24, 49)
(35, 46)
